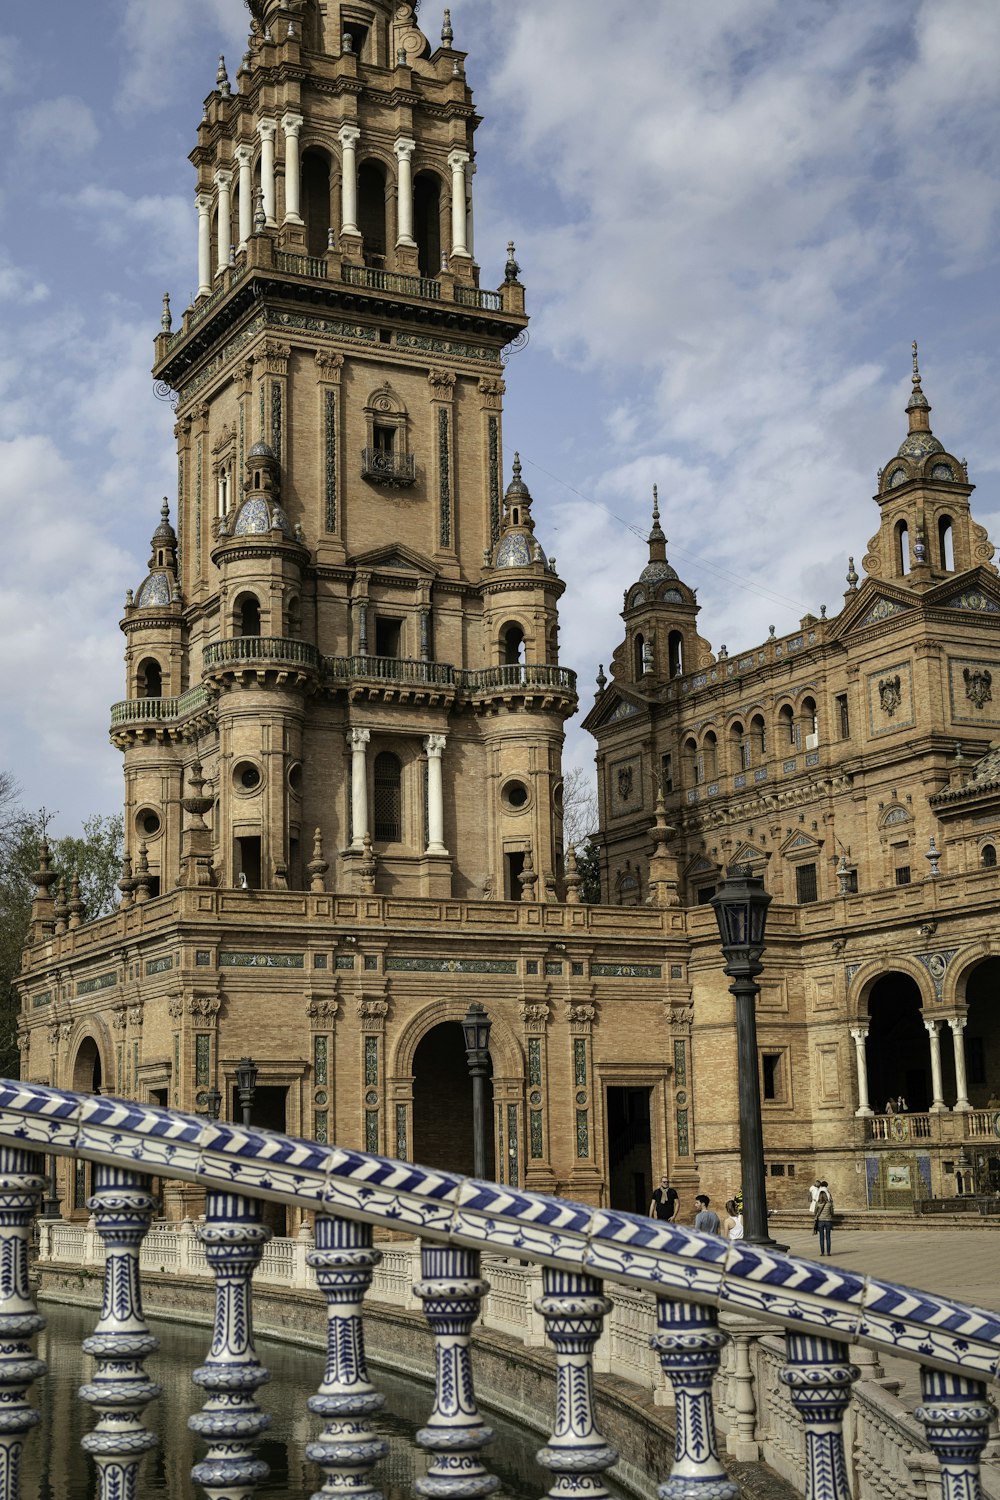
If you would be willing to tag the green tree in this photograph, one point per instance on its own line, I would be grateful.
(588, 863)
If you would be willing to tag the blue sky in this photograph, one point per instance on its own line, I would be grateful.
(732, 220)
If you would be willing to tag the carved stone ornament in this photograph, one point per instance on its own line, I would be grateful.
(492, 390)
(534, 1015)
(625, 783)
(323, 1010)
(582, 1016)
(175, 1008)
(372, 1014)
(978, 685)
(55, 1031)
(65, 1030)
(119, 1017)
(135, 1013)
(205, 1006)
(276, 356)
(890, 694)
(328, 362)
(441, 381)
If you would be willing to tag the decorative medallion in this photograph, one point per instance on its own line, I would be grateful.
(625, 783)
(890, 694)
(978, 685)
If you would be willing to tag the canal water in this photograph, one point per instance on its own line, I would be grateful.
(56, 1469)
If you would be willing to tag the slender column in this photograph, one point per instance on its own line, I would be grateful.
(451, 1291)
(937, 1088)
(348, 136)
(244, 155)
(861, 1062)
(689, 1341)
(457, 162)
(22, 1181)
(470, 217)
(203, 203)
(343, 1261)
(231, 1421)
(574, 1309)
(122, 1206)
(224, 183)
(434, 745)
(957, 1024)
(358, 739)
(404, 149)
(957, 1415)
(267, 129)
(819, 1377)
(291, 125)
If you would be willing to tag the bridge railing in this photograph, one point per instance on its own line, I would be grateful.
(584, 1254)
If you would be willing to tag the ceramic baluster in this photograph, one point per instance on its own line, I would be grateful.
(231, 1421)
(574, 1308)
(22, 1182)
(451, 1291)
(956, 1413)
(343, 1261)
(122, 1206)
(689, 1342)
(819, 1376)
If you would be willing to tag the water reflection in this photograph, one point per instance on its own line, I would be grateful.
(56, 1469)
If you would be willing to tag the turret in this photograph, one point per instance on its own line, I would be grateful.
(660, 614)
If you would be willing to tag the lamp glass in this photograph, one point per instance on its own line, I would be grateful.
(246, 1073)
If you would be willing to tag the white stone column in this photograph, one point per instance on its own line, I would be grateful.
(457, 161)
(434, 745)
(358, 740)
(404, 149)
(244, 156)
(957, 1024)
(224, 183)
(937, 1089)
(470, 217)
(203, 203)
(291, 125)
(267, 129)
(864, 1103)
(348, 136)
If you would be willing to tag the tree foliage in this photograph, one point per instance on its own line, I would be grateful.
(588, 863)
(95, 856)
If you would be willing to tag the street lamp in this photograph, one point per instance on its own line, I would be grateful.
(476, 1028)
(741, 904)
(246, 1084)
(211, 1102)
(50, 1203)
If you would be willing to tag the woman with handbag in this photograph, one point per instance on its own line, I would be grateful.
(823, 1222)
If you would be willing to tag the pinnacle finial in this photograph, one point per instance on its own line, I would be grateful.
(852, 577)
(916, 367)
(447, 35)
(165, 509)
(222, 78)
(166, 321)
(656, 505)
(517, 465)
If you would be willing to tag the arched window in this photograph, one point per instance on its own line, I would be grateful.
(675, 653)
(710, 756)
(810, 723)
(639, 652)
(512, 646)
(293, 616)
(150, 679)
(371, 212)
(739, 748)
(988, 856)
(388, 801)
(427, 222)
(248, 615)
(693, 765)
(316, 200)
(786, 726)
(902, 535)
(758, 737)
(946, 547)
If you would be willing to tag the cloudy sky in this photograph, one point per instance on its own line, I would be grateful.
(732, 219)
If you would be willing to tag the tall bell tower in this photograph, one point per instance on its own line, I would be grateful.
(355, 665)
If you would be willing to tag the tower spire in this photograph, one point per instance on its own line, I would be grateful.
(657, 539)
(918, 407)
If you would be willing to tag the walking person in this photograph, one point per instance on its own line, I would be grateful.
(705, 1218)
(824, 1217)
(813, 1196)
(664, 1202)
(732, 1224)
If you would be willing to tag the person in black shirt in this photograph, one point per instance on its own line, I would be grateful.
(664, 1203)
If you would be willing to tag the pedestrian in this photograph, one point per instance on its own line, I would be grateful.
(901, 1105)
(664, 1201)
(813, 1195)
(732, 1224)
(890, 1108)
(824, 1217)
(705, 1218)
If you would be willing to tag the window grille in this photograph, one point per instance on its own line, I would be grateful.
(388, 798)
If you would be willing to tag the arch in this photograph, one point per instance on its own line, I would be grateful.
(246, 611)
(871, 972)
(786, 726)
(88, 1066)
(897, 1045)
(443, 1120)
(511, 644)
(690, 764)
(739, 746)
(372, 189)
(946, 544)
(293, 616)
(505, 1049)
(316, 199)
(428, 196)
(982, 1031)
(901, 548)
(149, 678)
(710, 754)
(988, 856)
(675, 653)
(758, 738)
(809, 720)
(638, 655)
(387, 802)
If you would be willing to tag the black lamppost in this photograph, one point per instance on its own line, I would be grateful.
(246, 1084)
(741, 904)
(211, 1103)
(50, 1203)
(476, 1027)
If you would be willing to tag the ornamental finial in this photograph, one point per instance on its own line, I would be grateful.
(166, 321)
(447, 35)
(222, 78)
(517, 466)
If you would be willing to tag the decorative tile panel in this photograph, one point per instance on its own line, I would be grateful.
(680, 1062)
(321, 1119)
(683, 1140)
(553, 966)
(402, 1148)
(580, 1062)
(160, 965)
(242, 960)
(582, 1133)
(203, 958)
(936, 965)
(626, 971)
(344, 961)
(43, 997)
(451, 965)
(321, 1053)
(371, 1129)
(202, 1059)
(534, 1062)
(330, 458)
(371, 1061)
(91, 986)
(536, 1133)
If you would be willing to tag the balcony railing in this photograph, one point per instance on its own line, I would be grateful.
(520, 675)
(392, 281)
(584, 1254)
(389, 669)
(388, 468)
(901, 1127)
(471, 296)
(300, 265)
(159, 710)
(273, 649)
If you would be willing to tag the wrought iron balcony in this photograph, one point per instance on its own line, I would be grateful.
(589, 1259)
(381, 467)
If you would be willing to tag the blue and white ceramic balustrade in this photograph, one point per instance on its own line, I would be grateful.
(585, 1253)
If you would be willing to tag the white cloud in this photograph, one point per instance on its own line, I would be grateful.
(169, 46)
(62, 128)
(18, 284)
(159, 229)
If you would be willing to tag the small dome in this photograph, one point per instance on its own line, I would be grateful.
(262, 450)
(919, 445)
(656, 572)
(256, 518)
(514, 551)
(157, 589)
(164, 533)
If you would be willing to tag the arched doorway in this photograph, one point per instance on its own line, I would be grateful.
(899, 1060)
(87, 1068)
(371, 211)
(982, 1034)
(442, 1103)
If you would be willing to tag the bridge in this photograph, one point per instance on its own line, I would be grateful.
(587, 1257)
